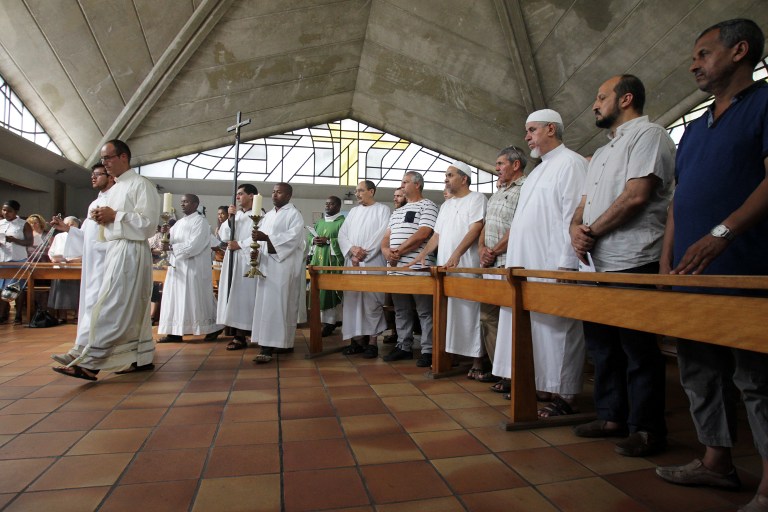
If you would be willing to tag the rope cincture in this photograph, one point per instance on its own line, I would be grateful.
(12, 291)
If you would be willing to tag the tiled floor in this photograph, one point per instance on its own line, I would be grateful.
(211, 431)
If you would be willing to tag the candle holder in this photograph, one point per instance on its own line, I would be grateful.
(255, 255)
(165, 241)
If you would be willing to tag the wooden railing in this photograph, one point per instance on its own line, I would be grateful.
(728, 320)
(41, 271)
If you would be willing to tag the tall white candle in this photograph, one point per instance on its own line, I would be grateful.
(257, 204)
(167, 202)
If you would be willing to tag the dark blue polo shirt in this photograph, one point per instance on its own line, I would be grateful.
(718, 165)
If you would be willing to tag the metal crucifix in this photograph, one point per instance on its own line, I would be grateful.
(236, 128)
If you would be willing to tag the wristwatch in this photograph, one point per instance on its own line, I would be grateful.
(722, 231)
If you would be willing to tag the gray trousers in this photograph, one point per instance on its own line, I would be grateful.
(404, 319)
(489, 326)
(713, 378)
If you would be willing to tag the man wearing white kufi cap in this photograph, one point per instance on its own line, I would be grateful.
(455, 237)
(539, 239)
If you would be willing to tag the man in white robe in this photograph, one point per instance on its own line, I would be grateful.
(457, 229)
(236, 295)
(121, 330)
(281, 239)
(360, 243)
(84, 242)
(189, 306)
(539, 238)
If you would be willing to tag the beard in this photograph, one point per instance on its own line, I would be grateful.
(535, 153)
(609, 120)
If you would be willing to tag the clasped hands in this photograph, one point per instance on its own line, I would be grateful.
(358, 255)
(582, 241)
(103, 215)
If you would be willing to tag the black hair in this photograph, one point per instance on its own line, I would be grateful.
(740, 29)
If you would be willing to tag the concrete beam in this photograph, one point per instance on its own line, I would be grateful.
(520, 53)
(183, 46)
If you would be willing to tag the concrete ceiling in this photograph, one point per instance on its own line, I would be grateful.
(457, 76)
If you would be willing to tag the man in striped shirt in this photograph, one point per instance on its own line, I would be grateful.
(410, 228)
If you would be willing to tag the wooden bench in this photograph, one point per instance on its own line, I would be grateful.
(728, 320)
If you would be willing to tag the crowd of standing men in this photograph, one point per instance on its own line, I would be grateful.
(638, 205)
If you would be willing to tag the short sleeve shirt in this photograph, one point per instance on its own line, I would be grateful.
(405, 221)
(638, 149)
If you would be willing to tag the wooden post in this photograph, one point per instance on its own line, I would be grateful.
(315, 326)
(441, 360)
(523, 392)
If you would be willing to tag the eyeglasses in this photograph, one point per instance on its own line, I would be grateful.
(107, 158)
(518, 153)
(97, 174)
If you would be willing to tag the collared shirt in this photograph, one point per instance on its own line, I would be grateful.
(638, 149)
(718, 166)
(404, 222)
(501, 208)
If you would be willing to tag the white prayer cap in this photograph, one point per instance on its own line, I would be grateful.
(462, 168)
(546, 115)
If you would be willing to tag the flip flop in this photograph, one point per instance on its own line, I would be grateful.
(474, 373)
(74, 371)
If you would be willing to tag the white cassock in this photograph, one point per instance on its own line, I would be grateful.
(539, 239)
(121, 329)
(462, 330)
(189, 306)
(84, 242)
(235, 309)
(364, 227)
(277, 295)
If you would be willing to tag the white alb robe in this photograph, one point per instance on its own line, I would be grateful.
(276, 308)
(236, 308)
(364, 227)
(539, 239)
(462, 330)
(84, 241)
(189, 306)
(121, 328)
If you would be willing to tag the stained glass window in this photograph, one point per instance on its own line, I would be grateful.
(338, 153)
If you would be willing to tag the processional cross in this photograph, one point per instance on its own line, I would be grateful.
(236, 128)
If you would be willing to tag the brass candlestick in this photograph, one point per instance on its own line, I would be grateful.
(165, 241)
(255, 251)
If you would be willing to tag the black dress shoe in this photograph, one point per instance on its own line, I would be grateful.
(170, 338)
(211, 336)
(641, 444)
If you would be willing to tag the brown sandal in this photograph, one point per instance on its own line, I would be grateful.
(236, 344)
(558, 407)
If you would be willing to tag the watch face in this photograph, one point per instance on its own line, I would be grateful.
(720, 231)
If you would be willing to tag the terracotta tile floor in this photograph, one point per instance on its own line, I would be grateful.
(209, 430)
